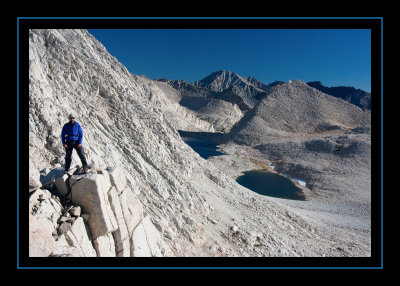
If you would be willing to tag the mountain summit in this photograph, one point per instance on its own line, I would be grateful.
(223, 80)
(233, 88)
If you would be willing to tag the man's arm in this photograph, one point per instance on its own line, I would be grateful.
(80, 133)
(63, 135)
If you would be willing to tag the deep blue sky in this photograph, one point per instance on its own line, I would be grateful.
(334, 57)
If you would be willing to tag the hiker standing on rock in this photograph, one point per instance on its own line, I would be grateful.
(71, 137)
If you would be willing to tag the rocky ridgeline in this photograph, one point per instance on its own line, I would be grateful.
(355, 96)
(94, 214)
(227, 100)
(294, 108)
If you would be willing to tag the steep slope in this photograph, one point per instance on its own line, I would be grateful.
(70, 71)
(221, 114)
(205, 104)
(185, 200)
(295, 107)
(181, 117)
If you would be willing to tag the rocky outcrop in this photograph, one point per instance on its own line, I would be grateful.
(76, 241)
(91, 193)
(107, 219)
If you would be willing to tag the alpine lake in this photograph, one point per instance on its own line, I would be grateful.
(259, 181)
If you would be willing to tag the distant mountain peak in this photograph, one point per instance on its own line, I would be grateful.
(224, 79)
(219, 80)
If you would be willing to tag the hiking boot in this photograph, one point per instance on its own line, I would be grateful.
(85, 169)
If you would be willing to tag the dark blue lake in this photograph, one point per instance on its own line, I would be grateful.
(270, 184)
(205, 148)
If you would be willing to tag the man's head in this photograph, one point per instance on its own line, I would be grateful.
(71, 118)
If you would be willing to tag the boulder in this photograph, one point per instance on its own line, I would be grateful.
(234, 229)
(47, 214)
(105, 246)
(63, 249)
(64, 227)
(139, 245)
(90, 192)
(77, 236)
(41, 241)
(132, 209)
(146, 241)
(75, 211)
(121, 236)
(61, 184)
(34, 176)
(34, 182)
(117, 179)
(38, 194)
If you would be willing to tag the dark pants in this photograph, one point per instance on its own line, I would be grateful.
(71, 145)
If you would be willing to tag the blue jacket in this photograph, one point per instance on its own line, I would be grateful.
(71, 132)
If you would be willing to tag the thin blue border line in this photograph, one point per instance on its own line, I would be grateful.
(125, 18)
(382, 143)
(207, 267)
(17, 143)
(381, 267)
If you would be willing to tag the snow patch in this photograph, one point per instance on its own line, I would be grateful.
(301, 182)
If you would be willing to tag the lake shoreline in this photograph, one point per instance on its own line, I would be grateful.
(338, 218)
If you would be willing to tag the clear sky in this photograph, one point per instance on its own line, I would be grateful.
(334, 57)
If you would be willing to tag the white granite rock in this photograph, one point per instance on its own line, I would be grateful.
(121, 235)
(41, 241)
(77, 237)
(105, 246)
(90, 193)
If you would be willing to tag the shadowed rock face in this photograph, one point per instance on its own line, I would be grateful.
(355, 96)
